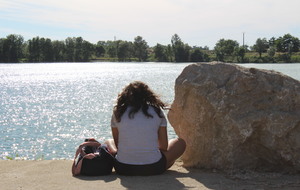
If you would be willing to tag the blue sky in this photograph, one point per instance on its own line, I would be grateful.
(197, 22)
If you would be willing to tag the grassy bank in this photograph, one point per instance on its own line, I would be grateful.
(253, 57)
(249, 57)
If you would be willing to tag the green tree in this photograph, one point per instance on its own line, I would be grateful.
(225, 48)
(272, 42)
(160, 53)
(181, 50)
(87, 50)
(78, 51)
(100, 49)
(40, 50)
(34, 50)
(12, 48)
(169, 53)
(271, 51)
(140, 48)
(46, 50)
(125, 50)
(2, 40)
(261, 46)
(70, 49)
(240, 53)
(287, 43)
(111, 48)
(197, 55)
(219, 54)
(59, 49)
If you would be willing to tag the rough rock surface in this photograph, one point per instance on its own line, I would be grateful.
(237, 118)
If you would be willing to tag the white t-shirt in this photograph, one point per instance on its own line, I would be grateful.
(138, 137)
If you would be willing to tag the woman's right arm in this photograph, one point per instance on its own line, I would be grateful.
(163, 138)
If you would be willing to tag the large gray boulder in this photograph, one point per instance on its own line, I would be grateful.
(237, 118)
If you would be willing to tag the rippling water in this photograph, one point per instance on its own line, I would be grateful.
(46, 110)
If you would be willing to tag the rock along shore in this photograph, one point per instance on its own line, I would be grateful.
(234, 117)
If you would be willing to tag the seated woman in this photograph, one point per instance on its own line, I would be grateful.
(139, 129)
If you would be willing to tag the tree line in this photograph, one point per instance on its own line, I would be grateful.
(14, 49)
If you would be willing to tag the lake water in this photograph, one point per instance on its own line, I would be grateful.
(46, 110)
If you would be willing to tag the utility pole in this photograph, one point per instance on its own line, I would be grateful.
(243, 39)
(116, 48)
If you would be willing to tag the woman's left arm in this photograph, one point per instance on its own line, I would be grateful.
(115, 134)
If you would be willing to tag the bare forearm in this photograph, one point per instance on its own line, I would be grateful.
(76, 168)
(115, 134)
(162, 139)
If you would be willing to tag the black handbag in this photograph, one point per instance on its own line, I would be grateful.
(102, 164)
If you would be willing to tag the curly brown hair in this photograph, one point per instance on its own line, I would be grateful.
(138, 96)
